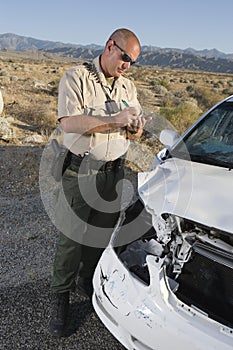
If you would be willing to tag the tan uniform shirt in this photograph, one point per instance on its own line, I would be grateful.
(80, 93)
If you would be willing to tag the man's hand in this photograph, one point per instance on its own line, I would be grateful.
(135, 129)
(85, 124)
(127, 116)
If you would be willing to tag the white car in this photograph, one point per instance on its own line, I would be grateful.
(166, 278)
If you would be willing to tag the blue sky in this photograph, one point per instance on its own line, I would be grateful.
(165, 23)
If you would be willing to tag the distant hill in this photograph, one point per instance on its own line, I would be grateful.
(181, 60)
(15, 42)
(205, 53)
(204, 60)
(9, 41)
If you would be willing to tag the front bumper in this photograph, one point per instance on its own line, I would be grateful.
(151, 317)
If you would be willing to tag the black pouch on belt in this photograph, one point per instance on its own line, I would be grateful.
(61, 159)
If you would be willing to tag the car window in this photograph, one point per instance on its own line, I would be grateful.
(211, 141)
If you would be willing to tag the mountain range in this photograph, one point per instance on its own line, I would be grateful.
(204, 60)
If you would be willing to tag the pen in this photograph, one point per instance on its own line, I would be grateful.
(125, 103)
(131, 131)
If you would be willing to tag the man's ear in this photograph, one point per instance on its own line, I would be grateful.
(109, 45)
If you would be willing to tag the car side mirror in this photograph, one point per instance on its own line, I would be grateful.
(168, 137)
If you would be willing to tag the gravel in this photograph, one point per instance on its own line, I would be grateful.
(27, 241)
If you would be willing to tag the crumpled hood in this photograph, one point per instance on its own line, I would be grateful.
(199, 192)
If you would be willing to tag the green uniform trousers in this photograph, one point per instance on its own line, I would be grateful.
(87, 208)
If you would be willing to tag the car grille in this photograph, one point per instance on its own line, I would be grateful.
(206, 282)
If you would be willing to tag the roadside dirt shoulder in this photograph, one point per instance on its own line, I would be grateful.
(27, 239)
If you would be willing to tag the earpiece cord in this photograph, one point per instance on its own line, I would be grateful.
(92, 69)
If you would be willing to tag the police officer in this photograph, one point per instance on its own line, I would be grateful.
(99, 113)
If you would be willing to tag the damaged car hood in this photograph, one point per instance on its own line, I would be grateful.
(196, 191)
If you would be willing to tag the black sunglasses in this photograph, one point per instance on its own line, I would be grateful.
(124, 55)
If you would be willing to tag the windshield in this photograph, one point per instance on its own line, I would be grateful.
(211, 141)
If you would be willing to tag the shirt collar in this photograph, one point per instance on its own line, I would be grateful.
(96, 62)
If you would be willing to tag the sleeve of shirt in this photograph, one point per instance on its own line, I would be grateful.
(70, 95)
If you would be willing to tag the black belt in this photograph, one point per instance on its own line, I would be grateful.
(86, 163)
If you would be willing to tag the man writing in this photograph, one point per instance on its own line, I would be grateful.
(99, 113)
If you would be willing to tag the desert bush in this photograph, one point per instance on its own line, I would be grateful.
(145, 94)
(160, 82)
(137, 73)
(160, 89)
(181, 116)
(40, 117)
(227, 91)
(205, 97)
(174, 99)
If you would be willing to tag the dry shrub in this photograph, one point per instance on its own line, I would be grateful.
(205, 97)
(39, 116)
(42, 117)
(182, 116)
